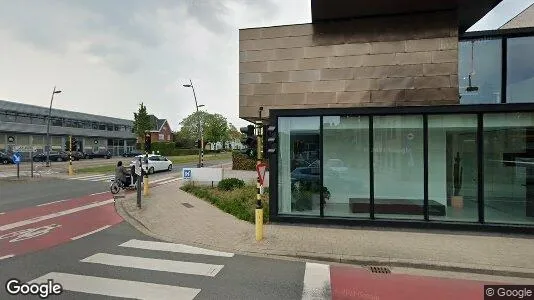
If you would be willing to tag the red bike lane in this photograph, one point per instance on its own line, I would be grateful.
(358, 283)
(40, 227)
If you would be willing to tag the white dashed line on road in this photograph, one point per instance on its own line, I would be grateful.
(7, 256)
(48, 203)
(90, 232)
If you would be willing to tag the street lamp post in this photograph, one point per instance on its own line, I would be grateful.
(48, 128)
(201, 136)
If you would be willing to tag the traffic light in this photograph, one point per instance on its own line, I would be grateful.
(148, 145)
(270, 140)
(197, 144)
(251, 141)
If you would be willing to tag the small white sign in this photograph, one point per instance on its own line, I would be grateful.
(204, 174)
(24, 148)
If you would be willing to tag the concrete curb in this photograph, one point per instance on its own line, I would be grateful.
(332, 258)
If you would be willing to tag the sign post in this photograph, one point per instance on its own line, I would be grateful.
(16, 160)
(138, 166)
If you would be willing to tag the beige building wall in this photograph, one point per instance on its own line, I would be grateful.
(393, 61)
(524, 19)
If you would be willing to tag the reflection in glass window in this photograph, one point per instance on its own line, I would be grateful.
(520, 70)
(398, 166)
(480, 61)
(346, 165)
(299, 169)
(452, 167)
(509, 168)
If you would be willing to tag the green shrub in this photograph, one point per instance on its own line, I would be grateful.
(169, 149)
(241, 161)
(229, 184)
(239, 202)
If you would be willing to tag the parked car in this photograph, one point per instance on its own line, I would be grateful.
(5, 159)
(156, 163)
(54, 156)
(133, 153)
(100, 154)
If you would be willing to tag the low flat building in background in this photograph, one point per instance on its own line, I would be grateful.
(390, 113)
(26, 125)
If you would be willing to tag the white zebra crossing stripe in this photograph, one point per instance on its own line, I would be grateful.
(87, 177)
(160, 180)
(316, 282)
(118, 288)
(170, 247)
(154, 264)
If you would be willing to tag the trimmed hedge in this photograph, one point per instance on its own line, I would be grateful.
(241, 161)
(169, 149)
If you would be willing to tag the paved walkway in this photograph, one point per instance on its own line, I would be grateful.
(165, 216)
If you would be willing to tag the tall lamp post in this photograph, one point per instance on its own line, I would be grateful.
(48, 127)
(201, 136)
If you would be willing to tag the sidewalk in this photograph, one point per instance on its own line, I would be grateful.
(165, 216)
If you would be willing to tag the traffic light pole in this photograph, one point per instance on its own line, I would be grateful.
(259, 187)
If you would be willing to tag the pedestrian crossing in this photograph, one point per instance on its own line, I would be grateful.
(94, 177)
(109, 177)
(97, 282)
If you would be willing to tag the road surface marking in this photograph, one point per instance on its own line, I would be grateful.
(98, 193)
(6, 256)
(54, 215)
(48, 203)
(90, 232)
(28, 233)
(154, 264)
(169, 181)
(86, 177)
(162, 179)
(170, 247)
(118, 288)
(316, 282)
(1, 213)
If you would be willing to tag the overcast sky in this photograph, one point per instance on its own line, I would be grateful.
(109, 55)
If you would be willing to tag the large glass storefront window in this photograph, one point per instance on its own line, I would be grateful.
(520, 70)
(479, 71)
(509, 168)
(299, 171)
(452, 167)
(398, 166)
(346, 165)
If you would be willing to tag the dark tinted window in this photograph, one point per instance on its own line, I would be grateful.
(520, 70)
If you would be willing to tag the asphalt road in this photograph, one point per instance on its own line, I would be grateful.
(240, 277)
(83, 163)
(19, 194)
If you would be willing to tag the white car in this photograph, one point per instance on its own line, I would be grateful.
(156, 163)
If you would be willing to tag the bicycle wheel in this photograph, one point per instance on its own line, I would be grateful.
(114, 188)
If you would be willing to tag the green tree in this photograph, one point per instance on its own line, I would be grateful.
(216, 129)
(190, 129)
(142, 122)
(181, 140)
(234, 134)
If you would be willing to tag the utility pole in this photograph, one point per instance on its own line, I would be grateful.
(48, 128)
(201, 136)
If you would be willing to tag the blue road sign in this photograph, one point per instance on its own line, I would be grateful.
(187, 173)
(16, 158)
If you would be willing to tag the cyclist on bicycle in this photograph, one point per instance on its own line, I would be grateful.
(122, 174)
